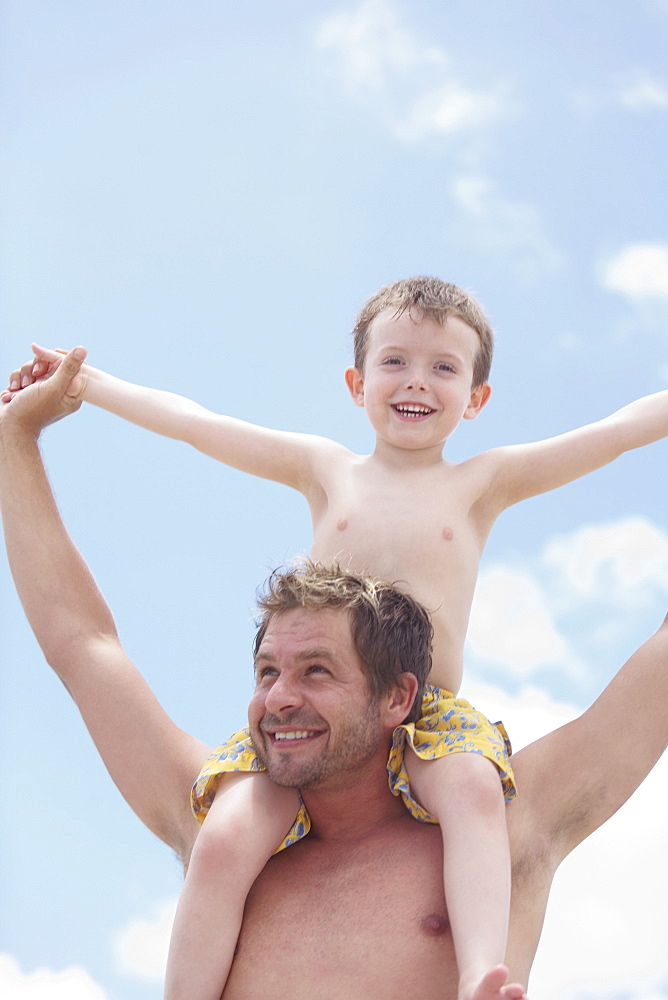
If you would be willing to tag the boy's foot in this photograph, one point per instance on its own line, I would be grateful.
(494, 986)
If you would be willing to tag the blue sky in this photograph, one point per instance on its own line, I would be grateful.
(204, 195)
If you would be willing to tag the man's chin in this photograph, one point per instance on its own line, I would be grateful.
(292, 773)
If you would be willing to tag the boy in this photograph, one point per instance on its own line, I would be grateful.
(422, 357)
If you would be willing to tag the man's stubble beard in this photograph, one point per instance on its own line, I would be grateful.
(356, 743)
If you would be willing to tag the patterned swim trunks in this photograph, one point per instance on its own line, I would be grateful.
(447, 725)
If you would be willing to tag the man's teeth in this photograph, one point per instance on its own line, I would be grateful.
(296, 735)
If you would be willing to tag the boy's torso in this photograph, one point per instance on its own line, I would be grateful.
(421, 528)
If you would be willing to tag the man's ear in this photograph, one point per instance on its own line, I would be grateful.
(355, 383)
(400, 699)
(479, 397)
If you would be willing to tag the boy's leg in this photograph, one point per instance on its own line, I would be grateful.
(463, 792)
(248, 819)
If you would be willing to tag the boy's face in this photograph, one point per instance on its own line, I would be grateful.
(416, 385)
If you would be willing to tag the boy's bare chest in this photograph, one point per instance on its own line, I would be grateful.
(400, 526)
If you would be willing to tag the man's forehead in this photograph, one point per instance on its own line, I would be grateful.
(301, 628)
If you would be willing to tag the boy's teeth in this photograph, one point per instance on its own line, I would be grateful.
(296, 735)
(414, 409)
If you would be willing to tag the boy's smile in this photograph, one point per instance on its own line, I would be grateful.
(416, 384)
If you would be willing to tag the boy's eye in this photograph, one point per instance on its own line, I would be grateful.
(392, 361)
(444, 366)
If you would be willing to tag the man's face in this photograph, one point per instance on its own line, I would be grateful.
(312, 718)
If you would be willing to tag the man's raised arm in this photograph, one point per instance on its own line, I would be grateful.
(582, 773)
(150, 759)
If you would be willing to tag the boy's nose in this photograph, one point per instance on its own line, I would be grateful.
(416, 379)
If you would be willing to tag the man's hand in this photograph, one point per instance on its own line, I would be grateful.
(44, 364)
(51, 396)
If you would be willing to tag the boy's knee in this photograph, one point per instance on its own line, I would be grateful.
(223, 841)
(458, 780)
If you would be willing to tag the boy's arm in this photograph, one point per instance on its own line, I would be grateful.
(521, 471)
(282, 456)
(151, 760)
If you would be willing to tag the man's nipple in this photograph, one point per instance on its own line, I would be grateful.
(435, 924)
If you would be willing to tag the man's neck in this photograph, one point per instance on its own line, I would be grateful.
(348, 811)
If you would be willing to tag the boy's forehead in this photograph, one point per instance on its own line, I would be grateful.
(411, 321)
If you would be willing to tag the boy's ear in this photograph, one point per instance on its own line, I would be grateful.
(479, 397)
(355, 383)
(400, 699)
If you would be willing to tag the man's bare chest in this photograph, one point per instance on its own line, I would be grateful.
(352, 922)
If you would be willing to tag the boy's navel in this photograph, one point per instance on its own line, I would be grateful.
(448, 534)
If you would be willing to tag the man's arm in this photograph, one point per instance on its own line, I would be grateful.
(574, 779)
(151, 760)
(281, 456)
(521, 471)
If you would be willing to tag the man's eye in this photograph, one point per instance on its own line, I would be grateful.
(317, 668)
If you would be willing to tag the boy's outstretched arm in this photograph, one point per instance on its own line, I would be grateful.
(521, 471)
(282, 456)
(151, 760)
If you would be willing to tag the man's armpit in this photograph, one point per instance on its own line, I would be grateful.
(583, 813)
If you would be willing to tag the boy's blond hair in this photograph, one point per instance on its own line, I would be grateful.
(392, 632)
(433, 298)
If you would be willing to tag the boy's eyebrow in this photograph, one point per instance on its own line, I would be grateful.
(445, 353)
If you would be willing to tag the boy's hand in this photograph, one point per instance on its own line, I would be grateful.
(47, 399)
(41, 367)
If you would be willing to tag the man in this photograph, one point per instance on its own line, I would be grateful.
(356, 908)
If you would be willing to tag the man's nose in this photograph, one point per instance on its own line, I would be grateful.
(284, 695)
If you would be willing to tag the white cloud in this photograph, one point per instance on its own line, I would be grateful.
(73, 983)
(644, 94)
(407, 80)
(638, 92)
(639, 271)
(371, 46)
(527, 716)
(449, 108)
(521, 615)
(625, 562)
(511, 625)
(499, 225)
(141, 946)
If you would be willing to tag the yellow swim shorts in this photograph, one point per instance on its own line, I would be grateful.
(447, 725)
